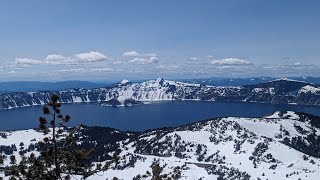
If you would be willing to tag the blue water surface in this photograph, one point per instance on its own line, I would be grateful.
(148, 116)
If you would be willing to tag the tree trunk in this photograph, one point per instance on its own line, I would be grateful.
(55, 147)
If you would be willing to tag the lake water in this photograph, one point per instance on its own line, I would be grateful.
(142, 117)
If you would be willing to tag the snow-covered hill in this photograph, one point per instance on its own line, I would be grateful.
(284, 145)
(282, 91)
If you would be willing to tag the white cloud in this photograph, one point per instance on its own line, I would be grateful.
(297, 63)
(91, 56)
(131, 53)
(168, 67)
(150, 60)
(57, 59)
(27, 61)
(194, 59)
(117, 62)
(150, 54)
(85, 70)
(53, 57)
(72, 70)
(269, 66)
(12, 72)
(231, 61)
(224, 67)
(135, 54)
(153, 59)
(59, 62)
(100, 70)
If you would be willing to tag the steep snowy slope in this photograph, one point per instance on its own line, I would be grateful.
(280, 91)
(284, 145)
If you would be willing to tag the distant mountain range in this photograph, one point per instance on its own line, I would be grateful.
(280, 91)
(214, 81)
(23, 86)
(283, 145)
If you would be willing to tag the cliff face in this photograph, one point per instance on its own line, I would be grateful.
(281, 91)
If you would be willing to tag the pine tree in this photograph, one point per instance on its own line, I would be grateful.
(13, 159)
(1, 159)
(156, 172)
(58, 158)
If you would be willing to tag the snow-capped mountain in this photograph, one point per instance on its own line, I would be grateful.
(284, 145)
(281, 91)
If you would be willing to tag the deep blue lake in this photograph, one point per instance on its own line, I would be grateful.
(142, 117)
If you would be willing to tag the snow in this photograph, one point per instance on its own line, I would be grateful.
(16, 137)
(287, 114)
(261, 127)
(309, 89)
(287, 79)
(291, 115)
(125, 81)
(153, 90)
(263, 90)
(249, 131)
(76, 99)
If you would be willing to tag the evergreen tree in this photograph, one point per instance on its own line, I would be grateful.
(58, 158)
(1, 159)
(156, 172)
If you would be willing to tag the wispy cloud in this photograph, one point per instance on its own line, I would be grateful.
(12, 72)
(139, 60)
(74, 70)
(57, 59)
(135, 64)
(85, 70)
(106, 69)
(117, 62)
(150, 54)
(27, 61)
(131, 53)
(136, 54)
(231, 62)
(91, 56)
(297, 63)
(194, 58)
(53, 57)
(168, 67)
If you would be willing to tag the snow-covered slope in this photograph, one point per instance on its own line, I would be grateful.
(310, 89)
(280, 91)
(284, 145)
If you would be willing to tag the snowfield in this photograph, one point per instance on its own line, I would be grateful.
(310, 89)
(284, 145)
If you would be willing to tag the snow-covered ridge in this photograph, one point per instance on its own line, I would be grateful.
(310, 89)
(284, 115)
(121, 103)
(242, 148)
(154, 90)
(163, 90)
(125, 81)
(287, 79)
(283, 145)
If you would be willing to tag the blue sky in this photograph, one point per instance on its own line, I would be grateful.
(142, 39)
